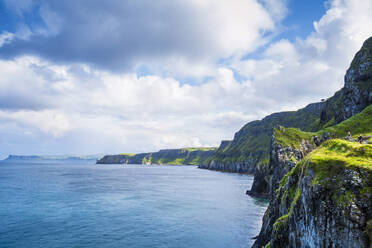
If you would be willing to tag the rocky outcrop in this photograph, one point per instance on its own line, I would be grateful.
(324, 201)
(282, 160)
(357, 91)
(267, 178)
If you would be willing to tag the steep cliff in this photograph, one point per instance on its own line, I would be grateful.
(324, 201)
(251, 144)
(189, 156)
(286, 182)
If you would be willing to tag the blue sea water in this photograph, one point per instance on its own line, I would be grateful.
(85, 205)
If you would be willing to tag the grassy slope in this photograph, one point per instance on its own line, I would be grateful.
(360, 124)
(191, 156)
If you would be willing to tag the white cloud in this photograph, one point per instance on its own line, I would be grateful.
(277, 8)
(78, 108)
(292, 74)
(51, 122)
(179, 38)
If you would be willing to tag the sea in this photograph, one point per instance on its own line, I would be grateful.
(81, 204)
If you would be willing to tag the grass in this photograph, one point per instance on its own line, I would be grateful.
(192, 149)
(128, 154)
(282, 220)
(183, 156)
(291, 136)
(333, 158)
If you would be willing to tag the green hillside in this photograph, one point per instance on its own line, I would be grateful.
(252, 142)
(183, 156)
(359, 124)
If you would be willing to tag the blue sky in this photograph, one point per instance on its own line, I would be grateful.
(86, 77)
(300, 17)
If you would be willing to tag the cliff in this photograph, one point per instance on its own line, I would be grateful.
(299, 178)
(347, 102)
(251, 144)
(290, 145)
(183, 156)
(319, 185)
(324, 201)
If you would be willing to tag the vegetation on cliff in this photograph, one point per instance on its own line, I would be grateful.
(332, 183)
(183, 156)
(359, 124)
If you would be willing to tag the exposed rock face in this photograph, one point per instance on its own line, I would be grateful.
(237, 167)
(251, 144)
(357, 92)
(282, 160)
(266, 180)
(314, 208)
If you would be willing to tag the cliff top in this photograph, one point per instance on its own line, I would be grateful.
(359, 124)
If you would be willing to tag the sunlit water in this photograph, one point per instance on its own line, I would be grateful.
(84, 205)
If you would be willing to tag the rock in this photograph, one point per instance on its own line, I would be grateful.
(332, 212)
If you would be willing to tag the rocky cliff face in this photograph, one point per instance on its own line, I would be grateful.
(282, 160)
(325, 198)
(324, 201)
(237, 167)
(251, 144)
(357, 91)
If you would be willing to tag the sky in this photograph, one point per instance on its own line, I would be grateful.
(91, 76)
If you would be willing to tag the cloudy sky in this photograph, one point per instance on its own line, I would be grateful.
(92, 76)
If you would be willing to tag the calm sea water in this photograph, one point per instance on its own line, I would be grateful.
(84, 205)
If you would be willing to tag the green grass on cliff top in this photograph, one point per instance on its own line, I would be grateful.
(128, 154)
(336, 152)
(360, 124)
(192, 149)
